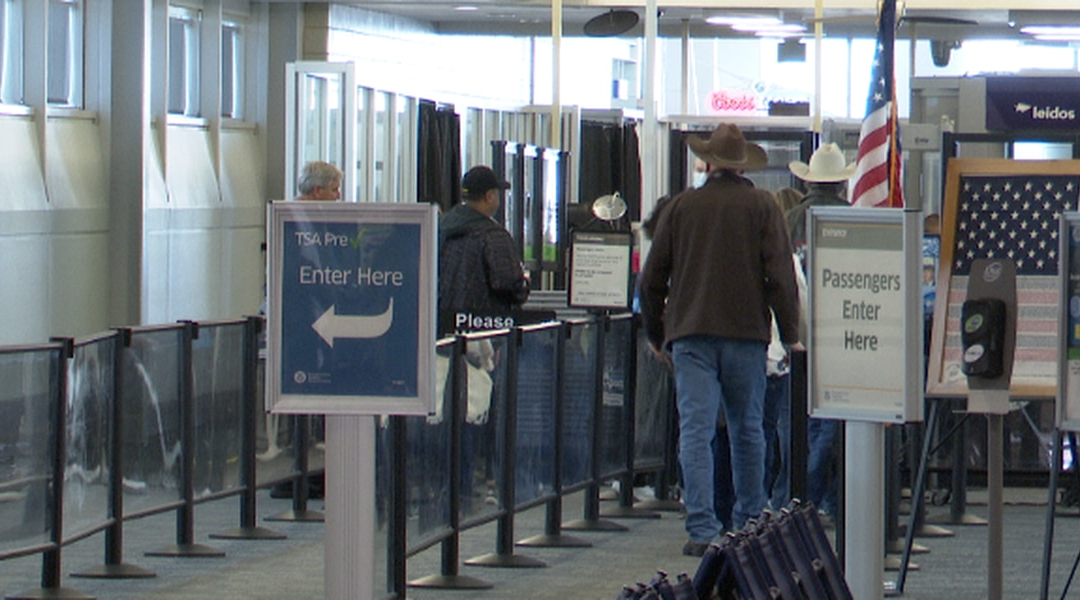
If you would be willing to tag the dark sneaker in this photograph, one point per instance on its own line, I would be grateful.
(692, 548)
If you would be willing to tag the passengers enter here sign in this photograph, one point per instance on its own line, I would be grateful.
(858, 301)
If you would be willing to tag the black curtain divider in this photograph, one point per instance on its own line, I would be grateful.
(630, 176)
(438, 160)
(598, 161)
(610, 157)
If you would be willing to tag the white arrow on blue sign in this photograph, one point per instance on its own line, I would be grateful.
(332, 325)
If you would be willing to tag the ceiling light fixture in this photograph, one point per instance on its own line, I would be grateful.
(734, 20)
(466, 8)
(783, 29)
(1038, 30)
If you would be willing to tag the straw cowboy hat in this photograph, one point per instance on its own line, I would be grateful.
(726, 148)
(826, 165)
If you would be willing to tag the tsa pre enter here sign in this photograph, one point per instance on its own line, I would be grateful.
(351, 321)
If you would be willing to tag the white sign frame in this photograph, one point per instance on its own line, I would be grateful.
(849, 314)
(1067, 410)
(424, 215)
(601, 274)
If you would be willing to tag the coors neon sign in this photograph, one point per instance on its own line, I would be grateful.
(734, 101)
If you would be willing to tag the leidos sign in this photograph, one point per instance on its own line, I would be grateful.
(1032, 103)
(1055, 113)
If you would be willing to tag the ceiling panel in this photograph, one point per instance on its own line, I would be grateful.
(928, 19)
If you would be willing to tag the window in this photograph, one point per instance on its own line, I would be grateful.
(11, 55)
(232, 70)
(184, 61)
(65, 53)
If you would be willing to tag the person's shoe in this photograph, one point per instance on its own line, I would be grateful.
(692, 548)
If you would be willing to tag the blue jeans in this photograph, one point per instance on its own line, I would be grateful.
(777, 426)
(713, 373)
(821, 464)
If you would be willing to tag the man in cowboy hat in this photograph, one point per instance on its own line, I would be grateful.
(826, 178)
(720, 259)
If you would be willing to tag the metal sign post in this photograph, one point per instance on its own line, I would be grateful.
(351, 334)
(865, 358)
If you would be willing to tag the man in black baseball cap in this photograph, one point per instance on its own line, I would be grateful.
(480, 268)
(479, 180)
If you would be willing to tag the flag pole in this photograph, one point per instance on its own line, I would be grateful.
(819, 13)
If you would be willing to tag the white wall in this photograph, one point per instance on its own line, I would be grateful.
(199, 204)
(53, 275)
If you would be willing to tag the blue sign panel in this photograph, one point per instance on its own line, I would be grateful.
(351, 309)
(1024, 103)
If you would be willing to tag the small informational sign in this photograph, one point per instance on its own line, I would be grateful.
(600, 270)
(865, 315)
(351, 320)
(1068, 410)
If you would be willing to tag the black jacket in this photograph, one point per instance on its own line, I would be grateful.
(479, 265)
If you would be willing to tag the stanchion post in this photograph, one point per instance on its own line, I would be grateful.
(799, 444)
(553, 536)
(626, 509)
(504, 530)
(114, 567)
(185, 515)
(398, 509)
(301, 434)
(50, 558)
(248, 529)
(592, 520)
(449, 576)
(1051, 509)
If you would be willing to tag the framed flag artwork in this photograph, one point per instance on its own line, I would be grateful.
(1003, 209)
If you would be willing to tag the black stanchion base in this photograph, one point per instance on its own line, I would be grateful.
(60, 592)
(303, 516)
(187, 551)
(506, 561)
(593, 525)
(629, 512)
(450, 582)
(120, 571)
(892, 563)
(558, 540)
(897, 547)
(249, 533)
(660, 505)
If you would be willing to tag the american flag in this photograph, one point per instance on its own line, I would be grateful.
(877, 173)
(1014, 217)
